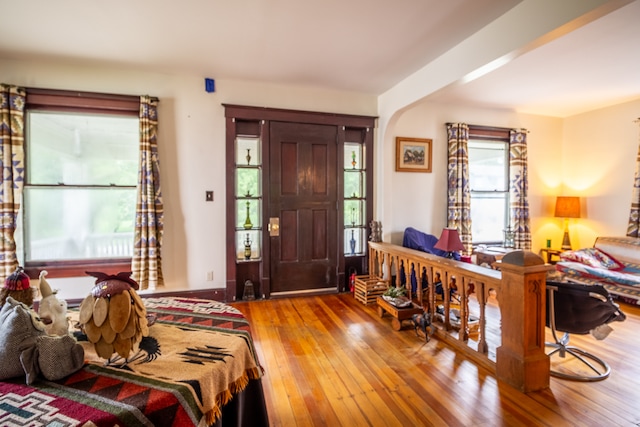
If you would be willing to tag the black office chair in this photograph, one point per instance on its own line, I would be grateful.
(575, 308)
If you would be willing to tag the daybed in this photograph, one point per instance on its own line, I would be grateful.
(612, 261)
(198, 367)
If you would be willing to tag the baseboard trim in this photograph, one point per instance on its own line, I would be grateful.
(304, 292)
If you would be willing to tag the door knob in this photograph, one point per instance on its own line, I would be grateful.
(274, 226)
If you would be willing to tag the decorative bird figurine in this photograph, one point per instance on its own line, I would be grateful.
(113, 315)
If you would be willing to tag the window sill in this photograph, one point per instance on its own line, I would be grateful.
(58, 269)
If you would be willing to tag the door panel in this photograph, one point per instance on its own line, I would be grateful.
(303, 194)
(288, 228)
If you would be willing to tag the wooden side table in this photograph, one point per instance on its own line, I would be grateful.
(398, 314)
(548, 255)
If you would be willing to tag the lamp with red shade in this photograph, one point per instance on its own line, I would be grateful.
(449, 242)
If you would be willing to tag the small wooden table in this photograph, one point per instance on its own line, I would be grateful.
(548, 255)
(491, 254)
(398, 314)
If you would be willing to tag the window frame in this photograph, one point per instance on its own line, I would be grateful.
(501, 135)
(77, 102)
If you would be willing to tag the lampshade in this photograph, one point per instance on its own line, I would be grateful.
(449, 241)
(568, 207)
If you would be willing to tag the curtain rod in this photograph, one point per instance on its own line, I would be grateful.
(495, 128)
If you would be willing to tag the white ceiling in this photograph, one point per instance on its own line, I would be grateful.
(359, 45)
(594, 66)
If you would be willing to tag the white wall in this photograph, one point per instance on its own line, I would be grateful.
(599, 156)
(591, 155)
(422, 202)
(191, 140)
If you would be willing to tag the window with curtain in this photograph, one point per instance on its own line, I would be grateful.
(488, 150)
(79, 198)
(496, 209)
(489, 185)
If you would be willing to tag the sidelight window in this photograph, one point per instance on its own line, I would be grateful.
(354, 199)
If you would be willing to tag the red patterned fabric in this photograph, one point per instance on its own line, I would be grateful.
(108, 396)
(592, 257)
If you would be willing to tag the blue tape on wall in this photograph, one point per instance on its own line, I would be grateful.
(209, 85)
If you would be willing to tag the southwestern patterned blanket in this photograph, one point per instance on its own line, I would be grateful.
(198, 355)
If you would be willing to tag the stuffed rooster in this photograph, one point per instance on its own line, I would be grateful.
(113, 316)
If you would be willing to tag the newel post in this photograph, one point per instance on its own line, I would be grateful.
(521, 360)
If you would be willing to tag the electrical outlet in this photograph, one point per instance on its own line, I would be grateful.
(209, 276)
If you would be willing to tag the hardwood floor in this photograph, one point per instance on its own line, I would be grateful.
(330, 361)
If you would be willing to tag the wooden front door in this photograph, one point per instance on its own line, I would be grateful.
(303, 198)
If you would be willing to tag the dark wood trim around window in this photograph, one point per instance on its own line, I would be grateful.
(77, 268)
(64, 100)
(79, 102)
(489, 133)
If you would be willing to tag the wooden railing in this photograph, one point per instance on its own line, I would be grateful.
(516, 352)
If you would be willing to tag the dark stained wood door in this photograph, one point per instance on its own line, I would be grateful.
(303, 197)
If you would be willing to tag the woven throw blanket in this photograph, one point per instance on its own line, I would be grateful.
(198, 355)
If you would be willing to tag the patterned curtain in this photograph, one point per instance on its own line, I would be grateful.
(146, 263)
(518, 188)
(634, 215)
(12, 102)
(458, 191)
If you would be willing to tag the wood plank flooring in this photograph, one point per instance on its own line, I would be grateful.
(331, 361)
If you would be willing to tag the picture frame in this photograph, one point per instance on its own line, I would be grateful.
(413, 154)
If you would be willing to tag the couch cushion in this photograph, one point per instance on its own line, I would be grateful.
(593, 257)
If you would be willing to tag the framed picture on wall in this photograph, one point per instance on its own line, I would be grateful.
(413, 154)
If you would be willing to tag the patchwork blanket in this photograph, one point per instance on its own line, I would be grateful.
(613, 262)
(198, 355)
(600, 274)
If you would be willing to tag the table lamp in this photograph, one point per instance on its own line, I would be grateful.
(449, 242)
(567, 207)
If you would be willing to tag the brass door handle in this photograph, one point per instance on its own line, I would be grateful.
(274, 226)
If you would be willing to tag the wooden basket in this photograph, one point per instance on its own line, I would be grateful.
(368, 288)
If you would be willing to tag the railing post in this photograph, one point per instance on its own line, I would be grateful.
(521, 360)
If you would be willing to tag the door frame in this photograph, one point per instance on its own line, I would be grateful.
(254, 121)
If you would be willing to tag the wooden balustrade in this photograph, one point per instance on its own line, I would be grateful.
(516, 353)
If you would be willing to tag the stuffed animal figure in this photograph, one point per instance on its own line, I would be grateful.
(27, 350)
(113, 316)
(423, 322)
(18, 286)
(52, 311)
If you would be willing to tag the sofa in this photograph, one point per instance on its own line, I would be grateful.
(424, 242)
(613, 262)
